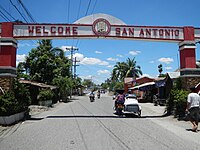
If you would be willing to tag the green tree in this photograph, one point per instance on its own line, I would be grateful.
(132, 69)
(88, 83)
(48, 65)
(21, 69)
(160, 70)
(65, 85)
(118, 86)
(119, 71)
(45, 63)
(126, 69)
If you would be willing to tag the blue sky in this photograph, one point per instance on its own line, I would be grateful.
(99, 56)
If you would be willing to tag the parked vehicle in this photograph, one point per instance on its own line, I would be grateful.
(131, 106)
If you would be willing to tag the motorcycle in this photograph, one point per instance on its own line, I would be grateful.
(119, 109)
(92, 97)
(98, 95)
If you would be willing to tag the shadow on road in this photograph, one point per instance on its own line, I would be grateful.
(93, 116)
(81, 116)
(192, 130)
(160, 116)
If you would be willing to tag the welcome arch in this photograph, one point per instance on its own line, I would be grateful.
(96, 26)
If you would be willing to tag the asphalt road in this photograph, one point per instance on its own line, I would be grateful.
(82, 125)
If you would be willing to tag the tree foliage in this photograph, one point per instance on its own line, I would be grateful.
(44, 63)
(48, 65)
(16, 101)
(126, 69)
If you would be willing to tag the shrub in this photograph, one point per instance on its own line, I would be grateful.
(177, 102)
(45, 95)
(16, 101)
(22, 95)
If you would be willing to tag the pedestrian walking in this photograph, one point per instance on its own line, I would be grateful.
(193, 104)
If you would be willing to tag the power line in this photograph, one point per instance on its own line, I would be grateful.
(79, 7)
(18, 11)
(94, 6)
(27, 11)
(88, 8)
(68, 11)
(86, 14)
(4, 16)
(7, 12)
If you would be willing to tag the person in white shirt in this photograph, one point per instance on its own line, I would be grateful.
(193, 104)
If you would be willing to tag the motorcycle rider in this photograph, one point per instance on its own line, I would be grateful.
(120, 99)
(98, 94)
(92, 96)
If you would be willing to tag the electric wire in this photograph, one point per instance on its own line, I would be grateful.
(18, 11)
(68, 11)
(94, 6)
(86, 14)
(7, 12)
(88, 8)
(4, 16)
(79, 7)
(27, 11)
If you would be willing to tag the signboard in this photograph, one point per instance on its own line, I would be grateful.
(100, 28)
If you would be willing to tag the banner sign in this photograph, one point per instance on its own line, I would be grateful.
(100, 28)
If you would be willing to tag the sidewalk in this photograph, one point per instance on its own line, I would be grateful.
(181, 129)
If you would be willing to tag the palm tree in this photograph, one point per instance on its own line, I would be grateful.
(119, 71)
(132, 69)
(126, 69)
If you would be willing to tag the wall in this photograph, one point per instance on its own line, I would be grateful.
(6, 82)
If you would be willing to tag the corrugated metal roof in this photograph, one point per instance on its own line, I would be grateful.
(174, 75)
(142, 85)
(42, 85)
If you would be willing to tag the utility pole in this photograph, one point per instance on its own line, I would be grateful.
(75, 65)
(72, 49)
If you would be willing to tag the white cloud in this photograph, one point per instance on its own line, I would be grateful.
(146, 75)
(134, 52)
(168, 68)
(112, 59)
(93, 61)
(110, 66)
(166, 60)
(67, 48)
(98, 52)
(23, 44)
(85, 60)
(86, 77)
(21, 58)
(103, 72)
(78, 56)
(152, 62)
(119, 55)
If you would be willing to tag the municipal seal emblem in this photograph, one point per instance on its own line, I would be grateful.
(101, 27)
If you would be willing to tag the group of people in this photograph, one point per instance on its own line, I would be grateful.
(193, 108)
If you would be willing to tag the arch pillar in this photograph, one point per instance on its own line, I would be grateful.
(190, 74)
(8, 47)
